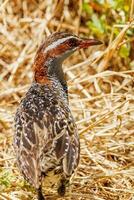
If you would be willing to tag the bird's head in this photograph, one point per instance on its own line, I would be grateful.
(57, 47)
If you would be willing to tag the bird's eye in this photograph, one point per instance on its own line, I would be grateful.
(73, 42)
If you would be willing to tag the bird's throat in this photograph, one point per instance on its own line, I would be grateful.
(59, 74)
(44, 74)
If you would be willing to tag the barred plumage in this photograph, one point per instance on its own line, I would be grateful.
(46, 137)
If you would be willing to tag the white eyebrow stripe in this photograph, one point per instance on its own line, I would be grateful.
(56, 43)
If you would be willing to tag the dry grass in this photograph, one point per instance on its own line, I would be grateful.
(101, 91)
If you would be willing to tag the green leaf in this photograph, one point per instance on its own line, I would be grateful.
(117, 4)
(6, 178)
(96, 25)
(124, 51)
(87, 8)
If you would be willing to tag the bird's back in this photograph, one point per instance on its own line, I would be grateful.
(45, 133)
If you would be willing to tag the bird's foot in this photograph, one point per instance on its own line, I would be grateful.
(62, 190)
(40, 195)
(62, 187)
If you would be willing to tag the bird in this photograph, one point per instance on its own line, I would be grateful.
(46, 140)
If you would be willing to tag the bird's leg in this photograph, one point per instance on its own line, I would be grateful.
(62, 187)
(40, 195)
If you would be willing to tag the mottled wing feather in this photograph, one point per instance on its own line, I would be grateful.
(71, 159)
(68, 161)
(62, 145)
(30, 167)
(44, 136)
(26, 146)
(67, 146)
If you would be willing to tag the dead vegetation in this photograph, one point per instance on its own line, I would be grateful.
(101, 91)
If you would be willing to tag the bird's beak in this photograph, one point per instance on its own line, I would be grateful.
(85, 43)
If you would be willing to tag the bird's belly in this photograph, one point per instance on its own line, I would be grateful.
(52, 179)
(49, 162)
(51, 168)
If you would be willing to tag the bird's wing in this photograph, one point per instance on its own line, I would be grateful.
(26, 146)
(61, 133)
(35, 136)
(71, 159)
(67, 145)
